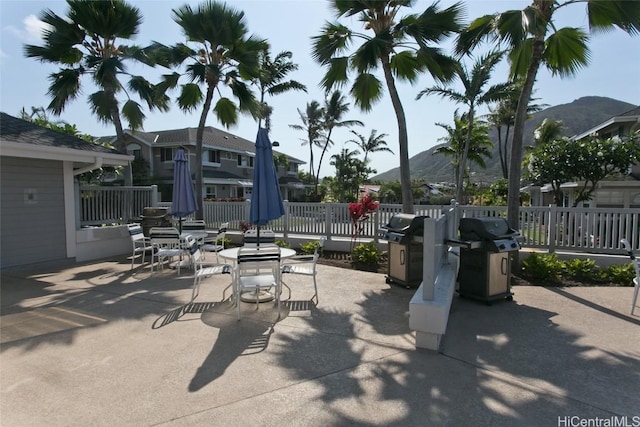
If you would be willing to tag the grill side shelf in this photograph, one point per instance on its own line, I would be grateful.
(468, 244)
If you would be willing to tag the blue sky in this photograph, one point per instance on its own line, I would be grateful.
(288, 25)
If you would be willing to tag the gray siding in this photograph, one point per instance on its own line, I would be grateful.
(32, 224)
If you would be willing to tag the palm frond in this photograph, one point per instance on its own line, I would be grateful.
(190, 97)
(226, 112)
(366, 90)
(567, 51)
(133, 113)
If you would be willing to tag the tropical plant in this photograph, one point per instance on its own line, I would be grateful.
(533, 39)
(335, 107)
(309, 247)
(588, 161)
(366, 254)
(477, 149)
(547, 131)
(373, 144)
(359, 213)
(312, 125)
(473, 96)
(503, 115)
(403, 47)
(350, 173)
(88, 42)
(224, 56)
(271, 80)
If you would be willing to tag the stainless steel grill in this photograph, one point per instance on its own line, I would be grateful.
(405, 236)
(155, 217)
(485, 261)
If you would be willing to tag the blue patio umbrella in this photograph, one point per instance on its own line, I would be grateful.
(184, 200)
(266, 201)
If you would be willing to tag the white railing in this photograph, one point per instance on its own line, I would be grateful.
(551, 228)
(98, 205)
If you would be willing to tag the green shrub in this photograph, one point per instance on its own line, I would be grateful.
(309, 247)
(282, 243)
(619, 274)
(366, 254)
(581, 269)
(545, 267)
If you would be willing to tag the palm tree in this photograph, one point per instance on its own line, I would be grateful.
(503, 115)
(348, 170)
(533, 39)
(456, 143)
(312, 125)
(547, 131)
(473, 96)
(373, 144)
(402, 47)
(335, 107)
(88, 42)
(224, 55)
(271, 80)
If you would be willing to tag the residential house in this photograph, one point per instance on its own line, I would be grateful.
(609, 193)
(38, 216)
(227, 162)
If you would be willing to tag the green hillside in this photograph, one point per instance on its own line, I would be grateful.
(577, 116)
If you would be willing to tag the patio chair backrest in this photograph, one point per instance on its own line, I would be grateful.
(165, 237)
(254, 260)
(194, 225)
(136, 232)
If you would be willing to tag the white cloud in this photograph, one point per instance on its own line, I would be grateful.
(31, 31)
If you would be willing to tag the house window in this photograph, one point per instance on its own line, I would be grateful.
(293, 168)
(134, 150)
(166, 154)
(214, 156)
(245, 161)
(211, 191)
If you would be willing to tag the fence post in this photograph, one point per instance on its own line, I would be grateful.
(328, 212)
(376, 227)
(154, 196)
(285, 203)
(247, 209)
(552, 232)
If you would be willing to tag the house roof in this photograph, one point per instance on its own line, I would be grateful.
(630, 116)
(212, 137)
(22, 138)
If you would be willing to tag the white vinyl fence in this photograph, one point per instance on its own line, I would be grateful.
(594, 230)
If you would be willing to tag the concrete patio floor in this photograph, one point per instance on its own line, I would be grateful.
(94, 344)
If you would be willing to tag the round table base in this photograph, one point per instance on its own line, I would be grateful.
(263, 296)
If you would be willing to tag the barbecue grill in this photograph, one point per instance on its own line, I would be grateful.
(405, 236)
(155, 217)
(485, 261)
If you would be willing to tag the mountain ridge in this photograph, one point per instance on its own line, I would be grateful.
(577, 116)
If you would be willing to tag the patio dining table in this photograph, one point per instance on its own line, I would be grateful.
(231, 254)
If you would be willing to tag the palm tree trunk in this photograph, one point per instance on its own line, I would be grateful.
(403, 140)
(515, 170)
(324, 150)
(465, 154)
(501, 153)
(121, 143)
(199, 137)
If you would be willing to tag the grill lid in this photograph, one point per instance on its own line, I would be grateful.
(488, 228)
(406, 223)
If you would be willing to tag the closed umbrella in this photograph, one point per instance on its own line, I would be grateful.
(266, 201)
(184, 200)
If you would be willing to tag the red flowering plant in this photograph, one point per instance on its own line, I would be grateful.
(359, 213)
